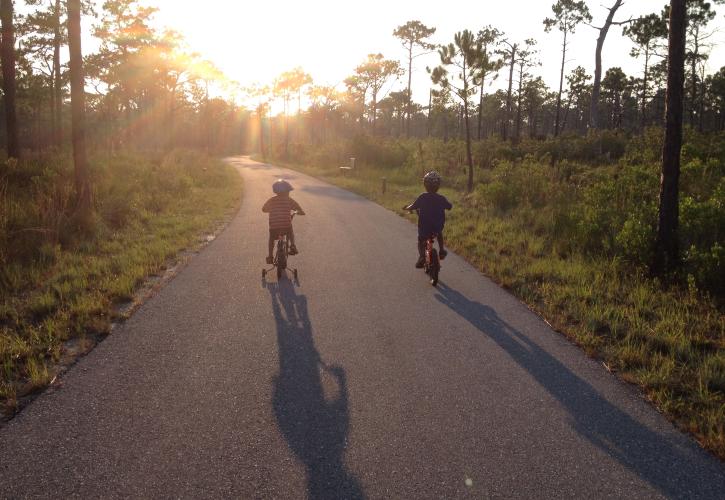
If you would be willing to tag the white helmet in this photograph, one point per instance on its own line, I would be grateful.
(282, 186)
(432, 179)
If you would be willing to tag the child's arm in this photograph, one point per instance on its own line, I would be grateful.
(447, 204)
(266, 207)
(412, 206)
(297, 208)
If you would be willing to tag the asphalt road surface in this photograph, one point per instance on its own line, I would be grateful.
(363, 381)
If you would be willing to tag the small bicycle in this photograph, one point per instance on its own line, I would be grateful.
(432, 264)
(280, 257)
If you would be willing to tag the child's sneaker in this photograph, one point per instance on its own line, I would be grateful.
(442, 254)
(270, 260)
(420, 263)
(293, 250)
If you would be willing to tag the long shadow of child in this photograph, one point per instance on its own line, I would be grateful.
(315, 429)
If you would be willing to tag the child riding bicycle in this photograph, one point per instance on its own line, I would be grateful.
(280, 208)
(431, 208)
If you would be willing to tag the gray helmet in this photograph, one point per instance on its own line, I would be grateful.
(282, 186)
(432, 179)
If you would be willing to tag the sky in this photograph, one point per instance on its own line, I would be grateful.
(254, 41)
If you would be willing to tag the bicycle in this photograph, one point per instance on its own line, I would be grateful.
(432, 262)
(281, 255)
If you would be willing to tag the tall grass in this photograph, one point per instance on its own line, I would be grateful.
(60, 279)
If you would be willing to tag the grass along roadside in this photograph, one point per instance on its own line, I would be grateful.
(57, 301)
(669, 341)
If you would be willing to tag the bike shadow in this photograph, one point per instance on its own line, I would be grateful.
(676, 471)
(294, 282)
(314, 427)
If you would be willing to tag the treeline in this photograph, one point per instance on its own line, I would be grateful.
(144, 88)
(461, 102)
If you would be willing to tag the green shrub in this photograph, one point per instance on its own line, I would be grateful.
(374, 151)
(635, 241)
(707, 266)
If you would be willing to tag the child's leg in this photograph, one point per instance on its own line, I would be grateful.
(271, 244)
(291, 239)
(421, 251)
(442, 251)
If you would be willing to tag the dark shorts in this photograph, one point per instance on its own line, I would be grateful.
(424, 234)
(276, 233)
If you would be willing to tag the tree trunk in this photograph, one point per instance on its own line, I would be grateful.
(644, 88)
(566, 115)
(620, 111)
(701, 105)
(409, 96)
(597, 85)
(8, 71)
(666, 245)
(480, 99)
(693, 83)
(51, 103)
(58, 126)
(508, 96)
(561, 88)
(469, 155)
(78, 107)
(517, 134)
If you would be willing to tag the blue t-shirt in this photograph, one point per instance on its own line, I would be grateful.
(431, 213)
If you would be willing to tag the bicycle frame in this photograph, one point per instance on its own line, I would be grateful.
(429, 246)
(280, 256)
(432, 265)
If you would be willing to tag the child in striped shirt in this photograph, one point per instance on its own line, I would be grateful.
(280, 209)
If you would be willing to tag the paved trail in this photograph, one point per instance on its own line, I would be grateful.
(362, 382)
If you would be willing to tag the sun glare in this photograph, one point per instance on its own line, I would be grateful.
(254, 42)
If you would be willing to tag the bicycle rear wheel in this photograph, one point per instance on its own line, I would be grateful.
(435, 267)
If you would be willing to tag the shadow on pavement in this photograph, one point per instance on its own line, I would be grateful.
(315, 428)
(674, 471)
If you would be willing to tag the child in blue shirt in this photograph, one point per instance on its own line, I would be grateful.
(431, 208)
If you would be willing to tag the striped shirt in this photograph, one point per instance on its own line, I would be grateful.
(280, 211)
